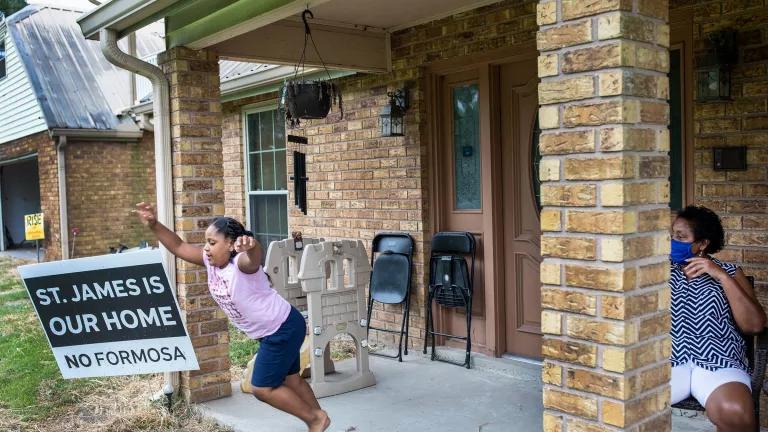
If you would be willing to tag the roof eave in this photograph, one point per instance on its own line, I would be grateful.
(270, 76)
(123, 16)
(98, 134)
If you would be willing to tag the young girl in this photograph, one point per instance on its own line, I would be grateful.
(237, 282)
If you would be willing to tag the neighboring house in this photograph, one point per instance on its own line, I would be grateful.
(59, 105)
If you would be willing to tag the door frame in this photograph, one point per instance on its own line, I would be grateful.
(11, 161)
(681, 37)
(493, 251)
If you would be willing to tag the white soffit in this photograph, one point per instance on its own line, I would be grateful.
(366, 15)
(392, 15)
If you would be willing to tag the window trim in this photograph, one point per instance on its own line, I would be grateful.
(268, 105)
(5, 56)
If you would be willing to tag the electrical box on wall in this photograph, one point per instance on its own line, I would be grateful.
(729, 158)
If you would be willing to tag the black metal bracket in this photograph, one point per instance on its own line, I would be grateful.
(297, 139)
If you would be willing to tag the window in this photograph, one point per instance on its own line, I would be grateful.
(677, 180)
(466, 147)
(266, 177)
(2, 59)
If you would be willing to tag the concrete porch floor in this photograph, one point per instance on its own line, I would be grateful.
(27, 254)
(420, 395)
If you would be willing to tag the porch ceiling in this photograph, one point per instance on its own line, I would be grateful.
(350, 34)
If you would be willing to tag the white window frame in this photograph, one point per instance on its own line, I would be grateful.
(4, 69)
(256, 108)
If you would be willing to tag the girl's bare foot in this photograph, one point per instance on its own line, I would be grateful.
(321, 423)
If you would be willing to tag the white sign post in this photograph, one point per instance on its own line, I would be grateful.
(110, 315)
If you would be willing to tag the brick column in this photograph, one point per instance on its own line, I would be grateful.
(47, 167)
(198, 195)
(605, 298)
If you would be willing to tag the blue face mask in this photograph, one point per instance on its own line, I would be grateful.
(680, 251)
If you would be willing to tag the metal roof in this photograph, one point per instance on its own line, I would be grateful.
(230, 70)
(76, 86)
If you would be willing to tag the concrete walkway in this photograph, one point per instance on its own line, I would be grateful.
(416, 395)
(27, 254)
(420, 395)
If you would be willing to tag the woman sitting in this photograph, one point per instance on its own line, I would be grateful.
(712, 301)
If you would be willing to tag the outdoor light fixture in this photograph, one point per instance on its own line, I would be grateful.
(713, 76)
(393, 113)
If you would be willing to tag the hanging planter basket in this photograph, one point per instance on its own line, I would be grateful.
(309, 99)
(303, 99)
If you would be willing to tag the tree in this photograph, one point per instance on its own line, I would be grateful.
(9, 7)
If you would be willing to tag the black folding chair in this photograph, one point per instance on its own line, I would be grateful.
(391, 255)
(757, 356)
(450, 284)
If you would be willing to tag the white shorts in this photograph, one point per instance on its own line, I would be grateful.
(691, 380)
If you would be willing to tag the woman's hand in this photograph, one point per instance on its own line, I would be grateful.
(146, 214)
(245, 243)
(698, 266)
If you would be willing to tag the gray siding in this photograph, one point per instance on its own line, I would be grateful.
(77, 87)
(20, 113)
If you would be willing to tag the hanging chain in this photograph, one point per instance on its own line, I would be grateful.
(301, 65)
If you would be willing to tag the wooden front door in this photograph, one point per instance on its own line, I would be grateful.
(483, 135)
(465, 203)
(522, 252)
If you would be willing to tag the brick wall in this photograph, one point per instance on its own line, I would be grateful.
(104, 182)
(47, 164)
(99, 199)
(605, 297)
(739, 197)
(198, 196)
(362, 183)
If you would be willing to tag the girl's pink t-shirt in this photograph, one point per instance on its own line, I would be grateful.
(249, 301)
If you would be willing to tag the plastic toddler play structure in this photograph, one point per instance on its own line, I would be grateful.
(333, 275)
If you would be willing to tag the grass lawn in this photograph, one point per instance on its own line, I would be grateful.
(29, 376)
(34, 396)
(241, 347)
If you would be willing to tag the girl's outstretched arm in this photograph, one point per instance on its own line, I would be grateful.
(168, 238)
(250, 261)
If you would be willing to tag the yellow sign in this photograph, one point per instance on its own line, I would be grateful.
(33, 226)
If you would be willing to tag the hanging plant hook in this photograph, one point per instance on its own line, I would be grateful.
(304, 18)
(308, 99)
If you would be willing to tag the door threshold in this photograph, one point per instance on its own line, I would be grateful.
(522, 359)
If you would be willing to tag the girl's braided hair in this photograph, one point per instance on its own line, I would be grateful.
(231, 229)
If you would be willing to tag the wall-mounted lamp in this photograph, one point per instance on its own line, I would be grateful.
(713, 75)
(392, 114)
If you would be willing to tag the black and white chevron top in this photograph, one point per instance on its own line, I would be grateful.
(703, 329)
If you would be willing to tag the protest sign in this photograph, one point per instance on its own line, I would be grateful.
(33, 227)
(110, 315)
